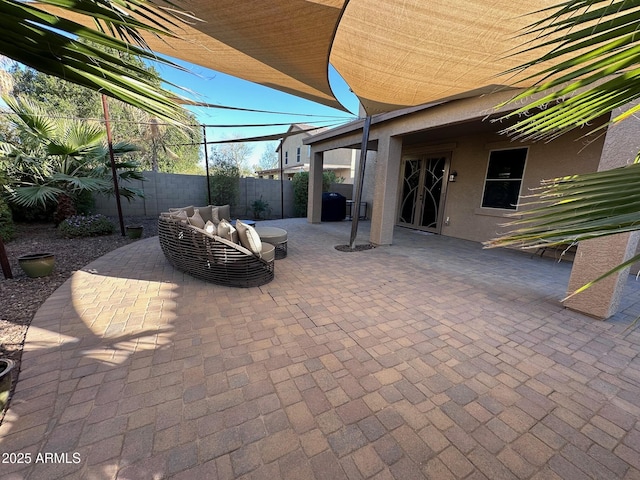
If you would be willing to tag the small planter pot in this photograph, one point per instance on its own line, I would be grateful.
(37, 264)
(6, 366)
(134, 231)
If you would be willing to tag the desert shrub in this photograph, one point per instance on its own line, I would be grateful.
(301, 190)
(300, 193)
(224, 181)
(260, 208)
(86, 226)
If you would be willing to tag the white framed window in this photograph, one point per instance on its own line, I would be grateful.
(503, 180)
(298, 155)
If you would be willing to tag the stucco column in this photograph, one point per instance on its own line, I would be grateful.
(314, 205)
(385, 193)
(597, 256)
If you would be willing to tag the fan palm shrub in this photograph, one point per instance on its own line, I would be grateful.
(57, 160)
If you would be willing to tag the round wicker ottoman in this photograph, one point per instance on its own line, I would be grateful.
(276, 237)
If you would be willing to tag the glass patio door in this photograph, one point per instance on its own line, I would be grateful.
(422, 192)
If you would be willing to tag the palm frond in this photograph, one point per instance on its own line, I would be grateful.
(575, 208)
(29, 116)
(592, 52)
(78, 183)
(48, 43)
(130, 193)
(34, 195)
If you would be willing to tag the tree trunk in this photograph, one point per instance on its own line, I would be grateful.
(65, 208)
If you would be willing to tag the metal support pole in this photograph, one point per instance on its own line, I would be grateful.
(363, 159)
(281, 180)
(116, 188)
(4, 261)
(206, 161)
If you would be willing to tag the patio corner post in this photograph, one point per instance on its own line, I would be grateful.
(114, 173)
(599, 255)
(314, 204)
(356, 202)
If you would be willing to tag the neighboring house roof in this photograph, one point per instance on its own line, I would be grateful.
(304, 129)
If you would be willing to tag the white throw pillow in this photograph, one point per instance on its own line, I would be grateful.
(210, 228)
(249, 238)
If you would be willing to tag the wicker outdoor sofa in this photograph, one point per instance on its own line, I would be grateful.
(212, 258)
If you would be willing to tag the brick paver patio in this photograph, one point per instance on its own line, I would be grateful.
(431, 358)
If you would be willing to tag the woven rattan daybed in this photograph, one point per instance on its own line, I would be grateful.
(213, 258)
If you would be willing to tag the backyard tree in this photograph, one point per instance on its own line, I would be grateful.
(163, 147)
(224, 178)
(238, 153)
(56, 160)
(269, 158)
(594, 68)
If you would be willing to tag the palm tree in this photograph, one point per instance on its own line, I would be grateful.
(98, 58)
(55, 160)
(594, 68)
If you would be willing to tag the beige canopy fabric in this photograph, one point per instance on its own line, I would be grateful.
(396, 54)
(392, 53)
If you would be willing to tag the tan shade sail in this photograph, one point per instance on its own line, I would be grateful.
(392, 53)
(397, 54)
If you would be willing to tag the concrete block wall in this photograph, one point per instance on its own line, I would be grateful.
(252, 189)
(161, 191)
(166, 190)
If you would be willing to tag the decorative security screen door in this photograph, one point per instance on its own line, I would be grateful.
(422, 192)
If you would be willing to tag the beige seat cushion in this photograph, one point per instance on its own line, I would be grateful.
(180, 215)
(196, 220)
(272, 234)
(268, 253)
(190, 210)
(224, 212)
(206, 213)
(249, 238)
(215, 215)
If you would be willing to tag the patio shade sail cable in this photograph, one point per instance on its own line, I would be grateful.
(330, 122)
(253, 110)
(261, 138)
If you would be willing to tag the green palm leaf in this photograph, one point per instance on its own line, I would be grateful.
(78, 183)
(48, 44)
(593, 63)
(34, 195)
(575, 208)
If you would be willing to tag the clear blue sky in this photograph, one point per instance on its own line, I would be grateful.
(218, 88)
